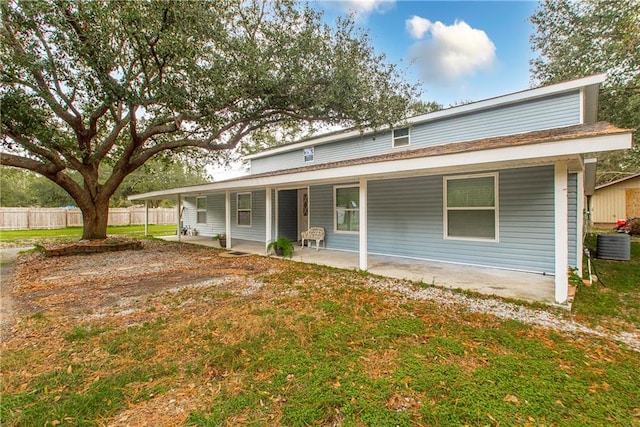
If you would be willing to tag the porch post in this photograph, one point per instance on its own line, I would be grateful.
(580, 220)
(227, 217)
(268, 219)
(363, 225)
(561, 231)
(179, 207)
(146, 217)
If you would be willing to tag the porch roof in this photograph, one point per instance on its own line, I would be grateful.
(537, 147)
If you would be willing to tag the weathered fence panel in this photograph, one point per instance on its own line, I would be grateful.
(47, 218)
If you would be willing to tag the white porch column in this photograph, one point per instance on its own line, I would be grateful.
(227, 217)
(580, 220)
(146, 217)
(179, 207)
(268, 218)
(363, 225)
(561, 231)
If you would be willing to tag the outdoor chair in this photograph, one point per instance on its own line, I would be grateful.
(313, 233)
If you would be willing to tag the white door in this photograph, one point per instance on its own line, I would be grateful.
(303, 210)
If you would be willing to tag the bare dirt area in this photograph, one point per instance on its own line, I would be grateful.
(81, 284)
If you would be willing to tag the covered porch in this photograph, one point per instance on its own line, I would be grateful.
(488, 281)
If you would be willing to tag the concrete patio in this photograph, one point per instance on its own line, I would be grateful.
(489, 281)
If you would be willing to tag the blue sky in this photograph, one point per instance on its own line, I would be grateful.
(459, 50)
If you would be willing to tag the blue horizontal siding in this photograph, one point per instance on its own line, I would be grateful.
(321, 212)
(544, 113)
(406, 219)
(257, 230)
(573, 219)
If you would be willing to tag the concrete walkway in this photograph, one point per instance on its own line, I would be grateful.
(488, 281)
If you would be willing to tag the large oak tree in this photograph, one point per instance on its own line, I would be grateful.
(581, 38)
(86, 83)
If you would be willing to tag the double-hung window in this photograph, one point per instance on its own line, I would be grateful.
(244, 209)
(471, 207)
(308, 154)
(201, 210)
(347, 209)
(400, 137)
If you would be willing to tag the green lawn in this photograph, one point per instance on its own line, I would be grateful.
(317, 346)
(75, 233)
(617, 294)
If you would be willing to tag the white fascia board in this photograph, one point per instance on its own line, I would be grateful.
(521, 96)
(521, 153)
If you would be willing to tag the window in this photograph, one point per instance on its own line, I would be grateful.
(244, 209)
(201, 210)
(400, 137)
(471, 207)
(308, 154)
(347, 203)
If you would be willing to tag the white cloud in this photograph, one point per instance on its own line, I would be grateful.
(417, 26)
(363, 8)
(452, 52)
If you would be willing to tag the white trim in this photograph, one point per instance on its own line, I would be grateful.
(362, 214)
(250, 210)
(335, 209)
(490, 158)
(466, 108)
(495, 208)
(227, 217)
(179, 222)
(561, 218)
(268, 218)
(198, 210)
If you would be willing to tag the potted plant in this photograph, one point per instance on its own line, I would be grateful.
(222, 239)
(282, 247)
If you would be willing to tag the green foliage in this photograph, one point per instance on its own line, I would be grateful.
(576, 39)
(94, 90)
(281, 245)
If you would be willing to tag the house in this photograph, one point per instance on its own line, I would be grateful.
(496, 183)
(616, 200)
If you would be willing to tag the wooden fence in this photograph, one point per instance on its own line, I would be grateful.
(45, 218)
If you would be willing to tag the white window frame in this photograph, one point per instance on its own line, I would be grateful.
(495, 208)
(200, 210)
(306, 152)
(335, 208)
(238, 210)
(394, 138)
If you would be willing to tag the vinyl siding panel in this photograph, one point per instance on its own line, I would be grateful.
(545, 113)
(257, 230)
(406, 219)
(215, 215)
(322, 210)
(572, 195)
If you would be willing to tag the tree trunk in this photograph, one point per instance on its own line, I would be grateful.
(94, 220)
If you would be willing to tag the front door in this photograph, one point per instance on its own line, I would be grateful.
(303, 210)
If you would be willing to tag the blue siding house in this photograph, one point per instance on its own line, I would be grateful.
(496, 183)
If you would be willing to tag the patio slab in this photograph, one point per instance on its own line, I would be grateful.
(489, 281)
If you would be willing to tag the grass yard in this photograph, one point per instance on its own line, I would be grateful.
(617, 295)
(190, 338)
(28, 237)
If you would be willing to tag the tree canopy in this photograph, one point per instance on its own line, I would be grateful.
(581, 38)
(95, 83)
